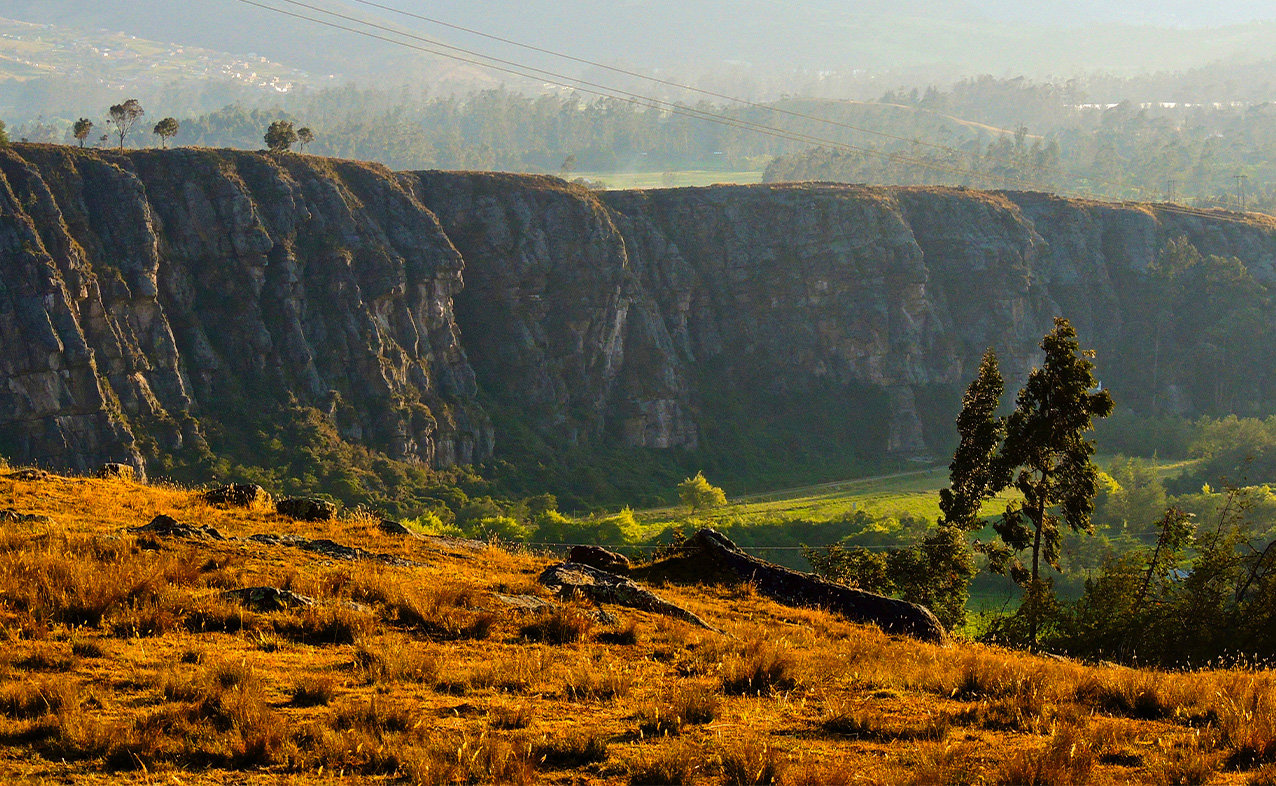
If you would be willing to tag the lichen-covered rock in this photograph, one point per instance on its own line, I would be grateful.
(241, 495)
(709, 555)
(572, 580)
(306, 508)
(167, 526)
(599, 557)
(269, 598)
(115, 471)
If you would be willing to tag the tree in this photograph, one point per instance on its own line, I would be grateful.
(81, 130)
(166, 129)
(1046, 452)
(305, 136)
(698, 494)
(4, 134)
(123, 117)
(280, 137)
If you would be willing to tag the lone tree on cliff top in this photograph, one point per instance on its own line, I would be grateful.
(1046, 458)
(280, 137)
(166, 129)
(122, 117)
(81, 130)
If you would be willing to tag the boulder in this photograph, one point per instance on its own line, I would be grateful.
(268, 598)
(243, 495)
(599, 557)
(574, 580)
(710, 555)
(30, 474)
(11, 516)
(167, 526)
(392, 527)
(115, 471)
(306, 508)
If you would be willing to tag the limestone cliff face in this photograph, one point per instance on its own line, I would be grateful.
(145, 295)
(148, 297)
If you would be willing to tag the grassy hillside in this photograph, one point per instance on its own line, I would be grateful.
(122, 659)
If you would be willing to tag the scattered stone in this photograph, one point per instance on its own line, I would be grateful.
(269, 598)
(392, 527)
(599, 557)
(306, 509)
(574, 580)
(243, 495)
(116, 472)
(10, 516)
(29, 474)
(710, 555)
(526, 603)
(169, 527)
(330, 548)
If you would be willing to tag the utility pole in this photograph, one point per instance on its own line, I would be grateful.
(1240, 189)
(1171, 186)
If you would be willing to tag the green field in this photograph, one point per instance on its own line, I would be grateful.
(613, 181)
(914, 493)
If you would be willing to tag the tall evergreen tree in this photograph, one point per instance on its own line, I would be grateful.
(1049, 457)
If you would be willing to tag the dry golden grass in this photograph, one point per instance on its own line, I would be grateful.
(121, 660)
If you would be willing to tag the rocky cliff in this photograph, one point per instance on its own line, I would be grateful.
(147, 298)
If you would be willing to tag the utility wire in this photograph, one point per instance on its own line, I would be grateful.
(605, 91)
(592, 88)
(691, 88)
(659, 81)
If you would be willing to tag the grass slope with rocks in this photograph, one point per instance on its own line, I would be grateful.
(124, 659)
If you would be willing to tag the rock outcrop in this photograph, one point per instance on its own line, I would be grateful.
(149, 299)
(573, 580)
(709, 555)
(145, 294)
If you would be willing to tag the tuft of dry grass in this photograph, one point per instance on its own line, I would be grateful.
(518, 716)
(570, 751)
(314, 691)
(397, 660)
(680, 764)
(1066, 759)
(760, 667)
(751, 761)
(865, 722)
(561, 625)
(588, 681)
(685, 704)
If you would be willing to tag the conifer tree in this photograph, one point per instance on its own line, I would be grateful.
(1047, 454)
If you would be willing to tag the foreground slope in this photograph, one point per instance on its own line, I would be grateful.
(123, 659)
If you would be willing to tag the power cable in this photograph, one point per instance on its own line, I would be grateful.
(659, 81)
(605, 91)
(690, 88)
(592, 88)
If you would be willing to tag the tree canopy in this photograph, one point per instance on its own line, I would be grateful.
(166, 129)
(280, 137)
(697, 493)
(123, 117)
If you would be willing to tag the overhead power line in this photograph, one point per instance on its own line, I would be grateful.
(461, 54)
(657, 80)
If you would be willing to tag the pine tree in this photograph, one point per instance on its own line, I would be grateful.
(1046, 452)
